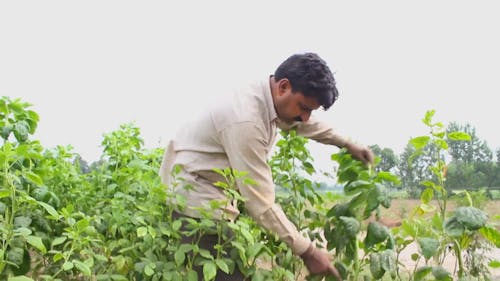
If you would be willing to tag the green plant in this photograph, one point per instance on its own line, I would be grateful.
(61, 219)
(455, 232)
(291, 164)
(367, 191)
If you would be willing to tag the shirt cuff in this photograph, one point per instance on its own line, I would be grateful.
(300, 245)
(275, 220)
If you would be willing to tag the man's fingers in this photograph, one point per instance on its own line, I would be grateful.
(333, 271)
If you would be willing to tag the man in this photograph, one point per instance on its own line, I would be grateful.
(240, 132)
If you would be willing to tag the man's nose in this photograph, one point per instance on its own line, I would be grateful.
(305, 116)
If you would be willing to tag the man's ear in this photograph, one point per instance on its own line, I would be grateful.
(284, 86)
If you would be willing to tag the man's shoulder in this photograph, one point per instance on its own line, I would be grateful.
(246, 104)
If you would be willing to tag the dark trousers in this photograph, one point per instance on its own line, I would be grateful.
(208, 242)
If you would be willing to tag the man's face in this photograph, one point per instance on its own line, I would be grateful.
(293, 106)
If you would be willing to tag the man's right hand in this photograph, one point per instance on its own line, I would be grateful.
(318, 262)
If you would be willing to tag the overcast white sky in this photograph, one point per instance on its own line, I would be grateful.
(89, 66)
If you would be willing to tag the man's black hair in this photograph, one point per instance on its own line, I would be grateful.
(310, 75)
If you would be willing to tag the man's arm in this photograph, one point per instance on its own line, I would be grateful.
(246, 147)
(321, 132)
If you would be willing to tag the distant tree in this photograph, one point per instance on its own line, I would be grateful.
(463, 175)
(475, 150)
(413, 168)
(472, 165)
(388, 159)
(496, 182)
(82, 163)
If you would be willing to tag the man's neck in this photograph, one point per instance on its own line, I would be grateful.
(272, 86)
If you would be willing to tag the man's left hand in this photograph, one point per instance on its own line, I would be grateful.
(360, 152)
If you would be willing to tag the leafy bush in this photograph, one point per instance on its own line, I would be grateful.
(61, 219)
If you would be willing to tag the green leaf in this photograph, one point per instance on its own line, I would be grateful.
(441, 144)
(82, 224)
(339, 210)
(422, 272)
(427, 195)
(441, 274)
(22, 221)
(420, 142)
(351, 225)
(470, 217)
(342, 269)
(249, 181)
(209, 271)
(149, 269)
(20, 258)
(247, 235)
(21, 131)
(152, 231)
(32, 120)
(491, 234)
(221, 264)
(185, 248)
(414, 256)
(179, 256)
(376, 266)
(118, 277)
(4, 193)
(192, 275)
(429, 246)
(494, 264)
(142, 231)
(58, 256)
(20, 278)
(347, 175)
(356, 186)
(388, 261)
(83, 268)
(34, 178)
(440, 134)
(254, 249)
(387, 176)
(426, 208)
(376, 233)
(49, 209)
(206, 254)
(68, 266)
(36, 242)
(6, 130)
(22, 231)
(15, 255)
(459, 136)
(453, 227)
(428, 117)
(58, 241)
(176, 225)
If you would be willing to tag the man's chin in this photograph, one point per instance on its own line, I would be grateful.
(290, 120)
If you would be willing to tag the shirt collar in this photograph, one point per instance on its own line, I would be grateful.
(273, 115)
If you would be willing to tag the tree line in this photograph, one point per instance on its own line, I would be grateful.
(471, 165)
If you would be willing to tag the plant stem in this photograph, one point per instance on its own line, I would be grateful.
(458, 254)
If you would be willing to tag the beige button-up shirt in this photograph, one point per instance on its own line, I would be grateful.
(239, 133)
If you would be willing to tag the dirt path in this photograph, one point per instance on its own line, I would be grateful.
(449, 262)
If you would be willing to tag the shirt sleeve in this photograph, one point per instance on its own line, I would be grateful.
(316, 130)
(246, 147)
